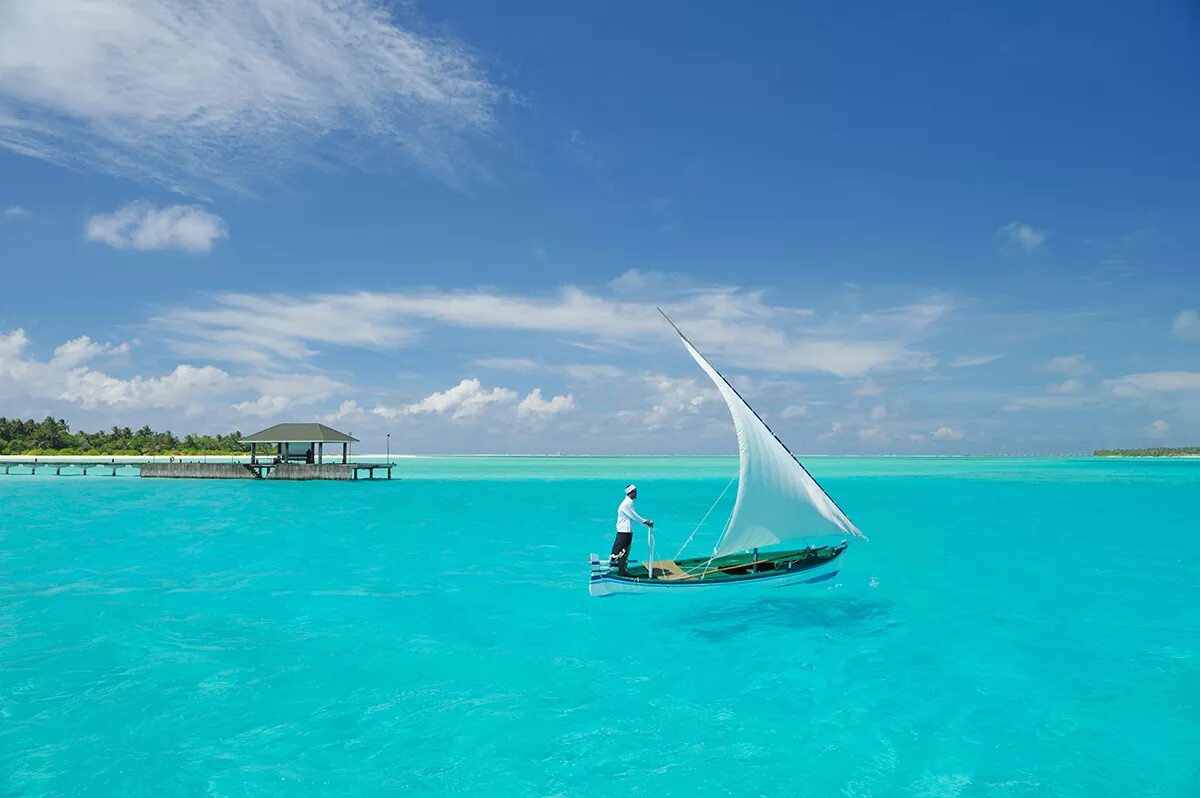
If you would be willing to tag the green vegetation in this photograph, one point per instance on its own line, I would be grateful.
(54, 436)
(1157, 451)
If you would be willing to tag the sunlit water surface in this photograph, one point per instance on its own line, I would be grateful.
(1014, 628)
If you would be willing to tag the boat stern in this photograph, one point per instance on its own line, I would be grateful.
(599, 568)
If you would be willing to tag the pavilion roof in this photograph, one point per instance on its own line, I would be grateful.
(299, 433)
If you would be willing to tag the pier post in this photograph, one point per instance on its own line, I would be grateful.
(58, 471)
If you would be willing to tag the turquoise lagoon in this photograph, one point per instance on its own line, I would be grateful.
(1015, 627)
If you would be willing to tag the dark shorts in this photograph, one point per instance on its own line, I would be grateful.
(624, 542)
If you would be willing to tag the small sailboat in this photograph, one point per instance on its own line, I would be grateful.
(778, 502)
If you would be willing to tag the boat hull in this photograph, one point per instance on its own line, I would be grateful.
(609, 584)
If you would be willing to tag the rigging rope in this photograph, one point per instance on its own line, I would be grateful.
(705, 518)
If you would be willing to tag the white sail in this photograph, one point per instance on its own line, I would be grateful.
(777, 499)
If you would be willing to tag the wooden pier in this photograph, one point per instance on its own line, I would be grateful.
(197, 469)
(37, 466)
(293, 452)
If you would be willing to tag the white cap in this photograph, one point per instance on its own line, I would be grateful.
(630, 489)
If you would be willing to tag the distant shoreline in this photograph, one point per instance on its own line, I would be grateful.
(1156, 451)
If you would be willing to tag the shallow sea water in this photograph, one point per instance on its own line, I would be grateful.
(1015, 627)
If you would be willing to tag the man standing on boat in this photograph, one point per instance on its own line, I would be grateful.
(626, 515)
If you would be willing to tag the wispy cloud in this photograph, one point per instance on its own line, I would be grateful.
(1136, 385)
(577, 371)
(915, 317)
(1069, 366)
(1158, 429)
(1071, 386)
(1186, 325)
(193, 94)
(1049, 402)
(1018, 235)
(15, 212)
(970, 362)
(735, 324)
(142, 226)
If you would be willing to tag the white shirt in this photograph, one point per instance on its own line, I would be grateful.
(626, 515)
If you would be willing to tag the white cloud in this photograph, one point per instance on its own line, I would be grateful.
(873, 434)
(589, 372)
(1135, 385)
(968, 362)
(15, 212)
(521, 365)
(879, 412)
(732, 324)
(1186, 325)
(867, 388)
(583, 372)
(1071, 386)
(265, 406)
(535, 405)
(913, 317)
(835, 429)
(82, 349)
(794, 411)
(675, 400)
(1158, 428)
(68, 376)
(640, 283)
(946, 433)
(1022, 236)
(197, 93)
(185, 387)
(1068, 366)
(1056, 402)
(140, 225)
(465, 400)
(347, 409)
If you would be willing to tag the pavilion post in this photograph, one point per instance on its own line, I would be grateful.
(320, 452)
(344, 450)
(253, 451)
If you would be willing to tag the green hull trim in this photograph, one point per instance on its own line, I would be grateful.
(734, 567)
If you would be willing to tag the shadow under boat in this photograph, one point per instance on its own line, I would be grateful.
(849, 614)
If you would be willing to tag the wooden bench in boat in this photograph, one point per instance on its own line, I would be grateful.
(668, 569)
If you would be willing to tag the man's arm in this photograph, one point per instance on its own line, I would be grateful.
(633, 515)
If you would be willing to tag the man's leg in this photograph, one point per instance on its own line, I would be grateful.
(620, 551)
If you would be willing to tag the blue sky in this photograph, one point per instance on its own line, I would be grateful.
(947, 229)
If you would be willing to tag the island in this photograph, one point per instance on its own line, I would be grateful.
(53, 436)
(1156, 451)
